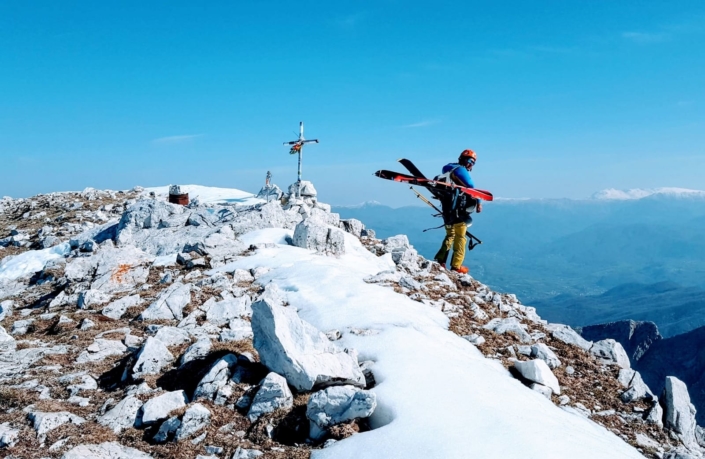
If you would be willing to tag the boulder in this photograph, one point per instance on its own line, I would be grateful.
(222, 312)
(101, 349)
(569, 336)
(315, 235)
(636, 337)
(152, 357)
(636, 387)
(167, 430)
(213, 383)
(679, 413)
(117, 308)
(538, 371)
(509, 325)
(122, 415)
(242, 453)
(45, 422)
(90, 298)
(159, 407)
(170, 303)
(107, 450)
(7, 342)
(352, 226)
(172, 336)
(272, 395)
(543, 352)
(334, 405)
(197, 350)
(6, 309)
(8, 435)
(195, 419)
(295, 349)
(610, 352)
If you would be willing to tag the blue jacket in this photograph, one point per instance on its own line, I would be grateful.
(460, 175)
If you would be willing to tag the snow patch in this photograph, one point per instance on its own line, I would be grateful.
(28, 263)
(612, 194)
(213, 195)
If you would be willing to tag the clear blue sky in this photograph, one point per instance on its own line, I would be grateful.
(559, 99)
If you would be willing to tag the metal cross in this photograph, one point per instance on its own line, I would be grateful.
(297, 146)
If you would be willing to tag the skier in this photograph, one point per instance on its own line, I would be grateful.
(457, 208)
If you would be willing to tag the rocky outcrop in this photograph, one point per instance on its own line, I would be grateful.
(298, 351)
(679, 413)
(636, 337)
(335, 405)
(273, 394)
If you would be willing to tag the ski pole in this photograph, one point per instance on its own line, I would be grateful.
(423, 198)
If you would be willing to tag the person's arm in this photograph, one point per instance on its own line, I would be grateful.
(462, 177)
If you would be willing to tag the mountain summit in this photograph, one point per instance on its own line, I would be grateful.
(236, 327)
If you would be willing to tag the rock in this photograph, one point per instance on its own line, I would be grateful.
(7, 342)
(167, 430)
(411, 283)
(509, 325)
(338, 404)
(172, 336)
(196, 418)
(45, 422)
(223, 312)
(635, 337)
(538, 371)
(352, 226)
(655, 415)
(679, 413)
(111, 270)
(569, 336)
(170, 303)
(159, 407)
(6, 309)
(297, 350)
(21, 327)
(117, 308)
(239, 330)
(217, 377)
(475, 339)
(272, 395)
(107, 450)
(122, 415)
(90, 298)
(152, 357)
(8, 435)
(86, 324)
(241, 453)
(198, 350)
(541, 389)
(636, 387)
(87, 383)
(541, 351)
(645, 441)
(610, 352)
(315, 235)
(100, 350)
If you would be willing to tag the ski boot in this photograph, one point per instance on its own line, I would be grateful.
(460, 269)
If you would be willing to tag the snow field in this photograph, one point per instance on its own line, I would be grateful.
(438, 396)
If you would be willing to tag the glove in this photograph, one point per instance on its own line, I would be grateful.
(478, 209)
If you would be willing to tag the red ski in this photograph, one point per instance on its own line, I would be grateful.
(433, 184)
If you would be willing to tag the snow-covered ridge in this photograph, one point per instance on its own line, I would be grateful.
(270, 283)
(640, 193)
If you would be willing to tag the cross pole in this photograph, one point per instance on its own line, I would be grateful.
(297, 146)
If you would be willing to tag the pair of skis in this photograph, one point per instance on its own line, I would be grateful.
(436, 188)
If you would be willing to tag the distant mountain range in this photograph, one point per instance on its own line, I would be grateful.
(581, 261)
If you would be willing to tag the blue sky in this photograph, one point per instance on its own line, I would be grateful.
(559, 99)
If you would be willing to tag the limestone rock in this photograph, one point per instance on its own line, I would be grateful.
(610, 352)
(541, 351)
(107, 450)
(159, 407)
(272, 395)
(8, 435)
(334, 405)
(117, 308)
(297, 350)
(172, 336)
(45, 422)
(170, 303)
(538, 371)
(315, 235)
(679, 413)
(509, 325)
(568, 335)
(636, 337)
(242, 453)
(167, 430)
(196, 418)
(197, 350)
(636, 387)
(216, 378)
(101, 349)
(152, 357)
(222, 312)
(122, 415)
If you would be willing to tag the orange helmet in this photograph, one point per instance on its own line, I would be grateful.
(468, 155)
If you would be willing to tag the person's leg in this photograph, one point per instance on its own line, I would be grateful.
(442, 255)
(459, 241)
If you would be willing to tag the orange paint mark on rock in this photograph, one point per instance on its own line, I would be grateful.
(119, 274)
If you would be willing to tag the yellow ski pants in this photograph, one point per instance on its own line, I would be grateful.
(455, 239)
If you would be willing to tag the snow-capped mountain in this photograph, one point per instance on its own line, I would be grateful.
(236, 327)
(639, 193)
